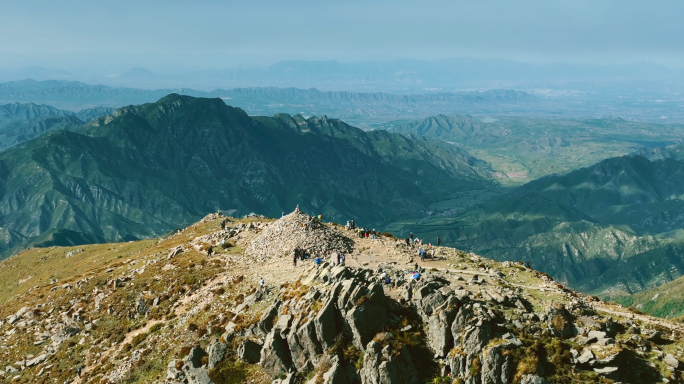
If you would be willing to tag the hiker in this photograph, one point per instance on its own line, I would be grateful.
(373, 234)
(262, 289)
(439, 241)
(318, 260)
(341, 259)
(348, 226)
(408, 241)
(282, 214)
(80, 369)
(223, 243)
(210, 250)
(353, 224)
(411, 236)
(294, 259)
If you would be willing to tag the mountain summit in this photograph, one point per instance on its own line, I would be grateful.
(224, 302)
(145, 170)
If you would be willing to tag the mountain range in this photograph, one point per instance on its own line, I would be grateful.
(416, 75)
(522, 149)
(368, 108)
(363, 108)
(146, 170)
(22, 122)
(610, 228)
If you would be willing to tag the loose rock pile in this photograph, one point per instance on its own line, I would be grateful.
(280, 238)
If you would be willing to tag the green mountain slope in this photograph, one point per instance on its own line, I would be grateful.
(663, 301)
(146, 170)
(598, 229)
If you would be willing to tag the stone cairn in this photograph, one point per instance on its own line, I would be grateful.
(280, 238)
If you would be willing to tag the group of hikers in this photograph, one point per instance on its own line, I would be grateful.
(302, 254)
(362, 233)
(412, 242)
(425, 253)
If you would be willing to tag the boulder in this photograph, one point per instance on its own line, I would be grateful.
(64, 331)
(671, 360)
(36, 360)
(216, 351)
(174, 375)
(348, 286)
(596, 335)
(610, 327)
(586, 357)
(266, 321)
(282, 325)
(429, 303)
(290, 378)
(304, 346)
(560, 321)
(533, 379)
(249, 351)
(609, 372)
(476, 337)
(194, 372)
(275, 356)
(365, 320)
(326, 324)
(464, 315)
(382, 366)
(496, 368)
(425, 290)
(439, 334)
(336, 374)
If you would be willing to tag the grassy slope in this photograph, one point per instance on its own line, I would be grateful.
(666, 300)
(29, 278)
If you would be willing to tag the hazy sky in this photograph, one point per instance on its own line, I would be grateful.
(169, 35)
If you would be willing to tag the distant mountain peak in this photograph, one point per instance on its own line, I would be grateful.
(137, 72)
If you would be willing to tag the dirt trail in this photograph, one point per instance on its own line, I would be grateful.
(643, 318)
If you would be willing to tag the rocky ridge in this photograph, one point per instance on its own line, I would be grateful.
(162, 311)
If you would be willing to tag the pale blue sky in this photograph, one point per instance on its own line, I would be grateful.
(170, 35)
